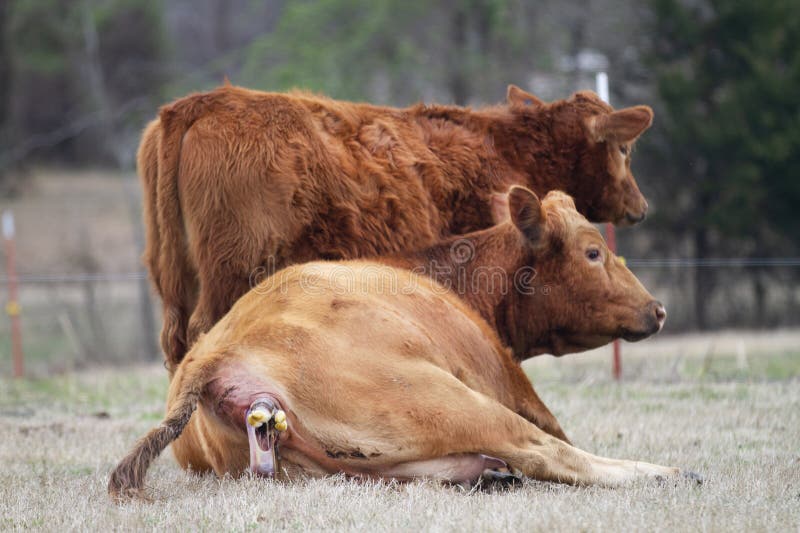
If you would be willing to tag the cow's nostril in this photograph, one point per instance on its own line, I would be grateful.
(661, 313)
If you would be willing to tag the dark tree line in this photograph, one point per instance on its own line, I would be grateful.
(727, 82)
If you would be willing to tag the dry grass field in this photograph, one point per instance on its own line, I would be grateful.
(733, 417)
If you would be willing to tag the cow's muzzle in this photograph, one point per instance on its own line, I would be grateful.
(653, 320)
(632, 218)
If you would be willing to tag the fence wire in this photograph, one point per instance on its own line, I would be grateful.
(715, 262)
(71, 320)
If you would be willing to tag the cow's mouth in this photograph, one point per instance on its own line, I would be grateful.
(635, 336)
(630, 218)
(632, 335)
(574, 343)
(264, 422)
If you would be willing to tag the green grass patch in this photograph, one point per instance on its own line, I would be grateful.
(95, 392)
(729, 367)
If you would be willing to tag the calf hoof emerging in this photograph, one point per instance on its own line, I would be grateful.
(264, 423)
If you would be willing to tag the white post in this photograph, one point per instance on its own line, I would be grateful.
(602, 91)
(602, 86)
(8, 224)
(12, 307)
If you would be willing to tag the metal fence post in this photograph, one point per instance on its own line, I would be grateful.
(12, 306)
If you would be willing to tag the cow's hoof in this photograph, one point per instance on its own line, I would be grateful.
(692, 477)
(496, 480)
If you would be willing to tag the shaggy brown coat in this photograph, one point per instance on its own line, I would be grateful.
(236, 179)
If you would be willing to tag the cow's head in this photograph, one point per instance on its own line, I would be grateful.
(576, 294)
(589, 143)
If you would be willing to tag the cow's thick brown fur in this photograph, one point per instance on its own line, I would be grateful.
(383, 372)
(236, 179)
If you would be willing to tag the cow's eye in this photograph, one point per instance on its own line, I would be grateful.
(624, 150)
(593, 254)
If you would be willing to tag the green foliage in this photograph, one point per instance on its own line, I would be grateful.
(386, 50)
(728, 74)
(42, 33)
(46, 33)
(78, 62)
(332, 45)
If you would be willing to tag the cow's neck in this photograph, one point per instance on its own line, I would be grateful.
(527, 144)
(465, 159)
(480, 267)
(505, 149)
(526, 335)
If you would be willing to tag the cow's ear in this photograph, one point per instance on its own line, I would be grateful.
(518, 98)
(621, 126)
(526, 213)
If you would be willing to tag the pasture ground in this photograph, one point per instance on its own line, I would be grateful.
(732, 416)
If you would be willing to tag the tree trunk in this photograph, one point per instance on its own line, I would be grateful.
(5, 67)
(760, 295)
(98, 95)
(222, 22)
(458, 82)
(5, 86)
(702, 279)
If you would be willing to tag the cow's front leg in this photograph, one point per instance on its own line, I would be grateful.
(464, 421)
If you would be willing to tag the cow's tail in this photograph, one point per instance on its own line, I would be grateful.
(127, 479)
(177, 276)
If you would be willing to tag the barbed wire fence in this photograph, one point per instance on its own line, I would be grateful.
(719, 262)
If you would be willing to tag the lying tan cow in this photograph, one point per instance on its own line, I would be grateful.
(236, 179)
(378, 372)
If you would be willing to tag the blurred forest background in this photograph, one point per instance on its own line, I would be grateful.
(80, 78)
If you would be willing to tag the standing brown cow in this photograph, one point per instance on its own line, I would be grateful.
(362, 368)
(235, 179)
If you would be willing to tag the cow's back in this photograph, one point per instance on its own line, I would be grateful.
(321, 179)
(369, 313)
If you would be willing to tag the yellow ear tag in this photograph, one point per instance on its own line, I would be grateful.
(621, 260)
